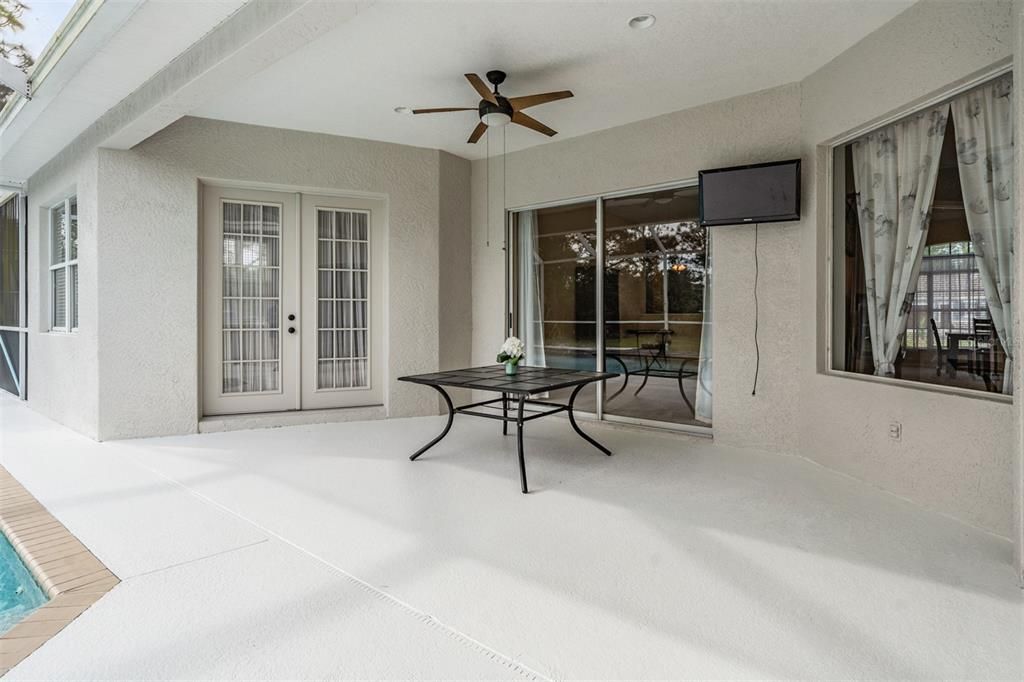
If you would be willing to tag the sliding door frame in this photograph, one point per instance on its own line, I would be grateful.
(510, 293)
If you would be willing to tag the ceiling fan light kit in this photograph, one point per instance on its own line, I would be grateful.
(496, 110)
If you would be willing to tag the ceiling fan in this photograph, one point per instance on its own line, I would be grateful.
(497, 110)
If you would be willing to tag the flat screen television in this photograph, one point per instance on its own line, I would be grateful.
(759, 193)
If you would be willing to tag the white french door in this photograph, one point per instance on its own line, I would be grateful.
(291, 310)
(342, 305)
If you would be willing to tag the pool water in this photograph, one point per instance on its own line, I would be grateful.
(19, 593)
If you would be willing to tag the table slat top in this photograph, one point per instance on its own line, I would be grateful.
(528, 381)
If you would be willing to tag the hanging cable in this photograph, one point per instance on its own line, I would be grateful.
(757, 348)
(487, 181)
(504, 187)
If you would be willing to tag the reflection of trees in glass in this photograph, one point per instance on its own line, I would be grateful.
(677, 250)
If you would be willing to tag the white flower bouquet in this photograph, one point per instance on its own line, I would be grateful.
(512, 351)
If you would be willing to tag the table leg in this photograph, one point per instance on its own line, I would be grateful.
(447, 427)
(519, 443)
(575, 426)
(504, 413)
(682, 366)
(625, 375)
(647, 374)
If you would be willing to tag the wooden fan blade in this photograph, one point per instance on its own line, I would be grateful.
(442, 109)
(533, 100)
(480, 129)
(481, 88)
(532, 123)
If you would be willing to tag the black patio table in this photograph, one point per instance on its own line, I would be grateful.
(529, 381)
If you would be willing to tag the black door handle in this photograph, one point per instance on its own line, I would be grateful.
(291, 317)
(291, 330)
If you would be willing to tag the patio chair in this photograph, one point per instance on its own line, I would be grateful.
(942, 356)
(984, 349)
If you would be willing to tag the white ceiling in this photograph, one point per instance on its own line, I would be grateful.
(415, 54)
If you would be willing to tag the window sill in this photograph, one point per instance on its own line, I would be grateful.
(921, 386)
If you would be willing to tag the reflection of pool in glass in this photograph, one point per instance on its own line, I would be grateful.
(19, 593)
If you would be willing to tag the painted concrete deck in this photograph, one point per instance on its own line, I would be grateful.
(321, 551)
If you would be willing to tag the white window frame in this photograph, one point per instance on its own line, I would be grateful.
(71, 295)
(828, 207)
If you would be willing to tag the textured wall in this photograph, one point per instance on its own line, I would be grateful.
(761, 126)
(149, 367)
(956, 452)
(455, 307)
(147, 293)
(62, 372)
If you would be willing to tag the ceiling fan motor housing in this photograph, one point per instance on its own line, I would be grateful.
(502, 107)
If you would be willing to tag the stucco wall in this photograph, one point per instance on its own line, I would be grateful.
(455, 309)
(956, 452)
(150, 311)
(62, 372)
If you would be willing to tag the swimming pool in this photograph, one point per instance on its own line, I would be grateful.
(19, 593)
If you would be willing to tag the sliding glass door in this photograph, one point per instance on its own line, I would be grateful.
(655, 271)
(648, 320)
(554, 301)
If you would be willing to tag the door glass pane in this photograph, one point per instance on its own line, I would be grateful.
(10, 266)
(555, 292)
(343, 299)
(250, 304)
(654, 302)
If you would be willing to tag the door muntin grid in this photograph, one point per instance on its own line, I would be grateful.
(343, 299)
(250, 297)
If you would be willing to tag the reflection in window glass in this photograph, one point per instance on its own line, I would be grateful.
(555, 291)
(656, 256)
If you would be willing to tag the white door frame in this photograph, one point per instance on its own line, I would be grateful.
(378, 206)
(214, 400)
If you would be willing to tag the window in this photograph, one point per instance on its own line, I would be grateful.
(922, 258)
(64, 266)
(949, 291)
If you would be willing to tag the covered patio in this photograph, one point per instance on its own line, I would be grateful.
(321, 551)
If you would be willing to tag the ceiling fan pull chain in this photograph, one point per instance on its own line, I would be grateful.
(504, 185)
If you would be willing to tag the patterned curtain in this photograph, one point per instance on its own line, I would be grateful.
(895, 169)
(531, 287)
(984, 145)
